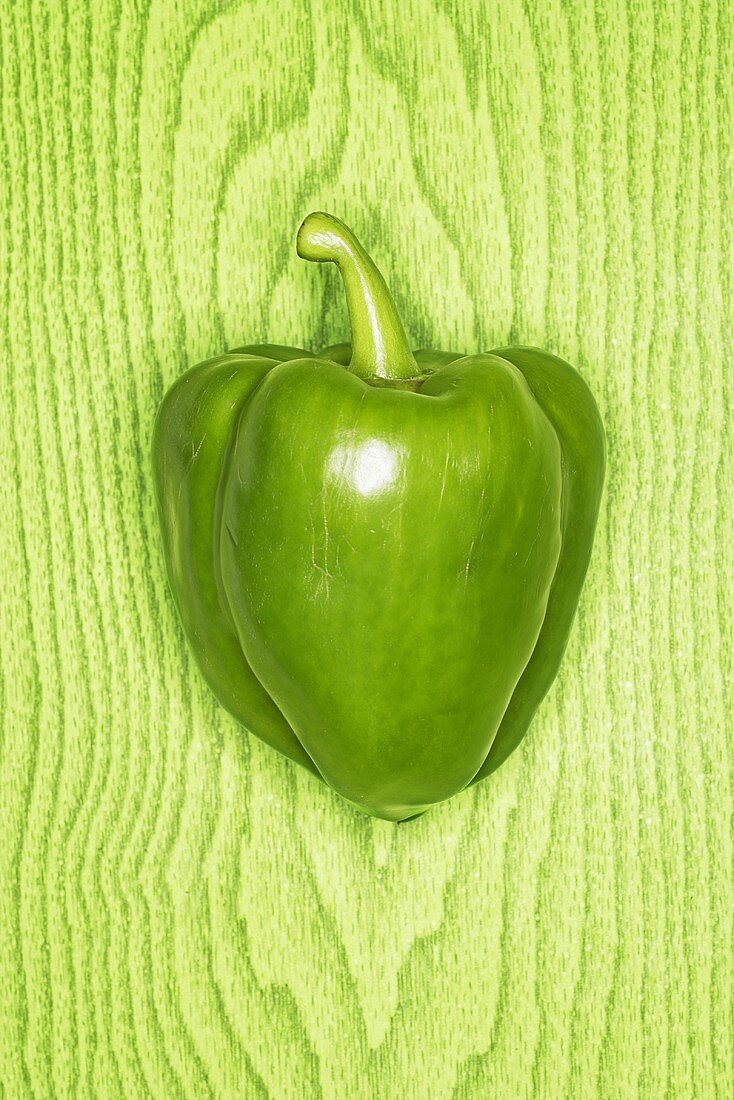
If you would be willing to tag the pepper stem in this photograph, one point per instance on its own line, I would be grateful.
(379, 345)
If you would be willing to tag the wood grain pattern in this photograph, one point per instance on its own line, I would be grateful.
(182, 912)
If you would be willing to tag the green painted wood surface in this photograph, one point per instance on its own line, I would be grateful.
(183, 913)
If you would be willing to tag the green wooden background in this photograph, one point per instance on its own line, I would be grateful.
(182, 912)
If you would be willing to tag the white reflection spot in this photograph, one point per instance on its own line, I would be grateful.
(370, 468)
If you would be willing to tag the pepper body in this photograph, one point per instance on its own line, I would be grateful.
(377, 555)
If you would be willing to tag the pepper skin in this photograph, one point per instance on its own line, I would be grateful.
(377, 554)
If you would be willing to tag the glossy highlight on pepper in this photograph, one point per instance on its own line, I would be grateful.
(376, 554)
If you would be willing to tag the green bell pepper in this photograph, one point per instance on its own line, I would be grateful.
(377, 554)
